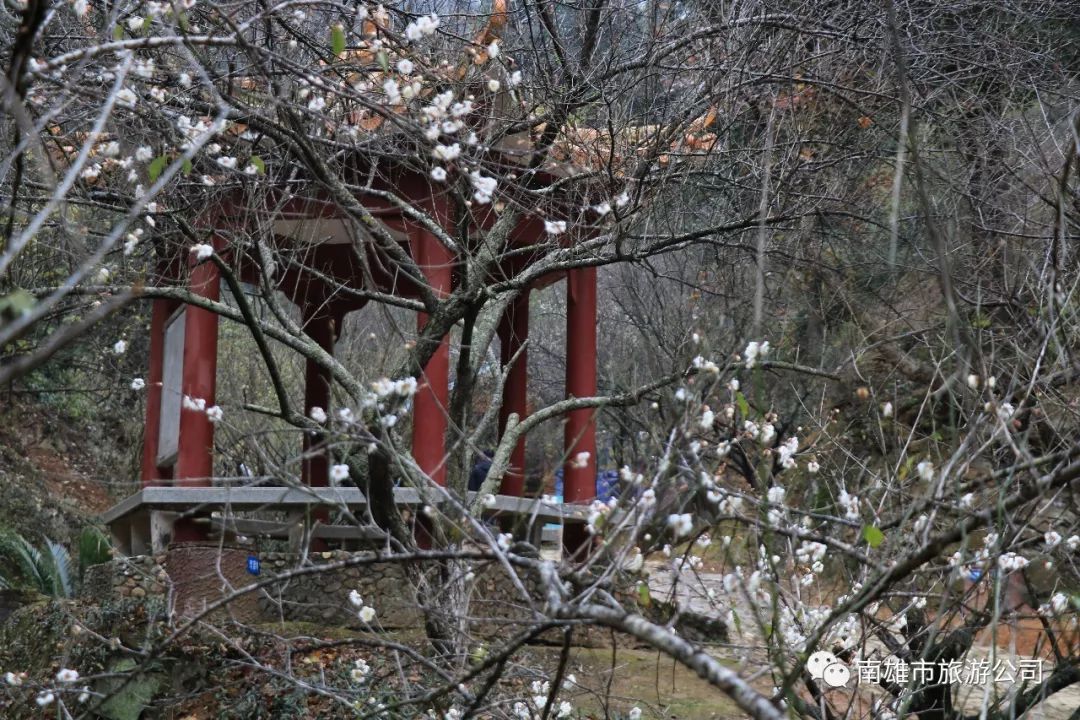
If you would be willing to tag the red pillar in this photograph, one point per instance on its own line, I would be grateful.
(151, 473)
(195, 454)
(431, 404)
(513, 332)
(320, 326)
(315, 472)
(579, 478)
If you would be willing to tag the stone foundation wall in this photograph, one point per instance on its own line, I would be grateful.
(189, 576)
(481, 600)
(139, 576)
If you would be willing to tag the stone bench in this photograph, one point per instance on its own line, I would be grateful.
(140, 522)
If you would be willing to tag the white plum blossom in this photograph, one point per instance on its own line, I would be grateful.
(202, 251)
(813, 467)
(360, 670)
(786, 452)
(127, 97)
(484, 187)
(138, 384)
(493, 50)
(421, 27)
(581, 459)
(345, 415)
(366, 614)
(355, 599)
(405, 66)
(973, 381)
(67, 675)
(488, 500)
(515, 78)
(708, 417)
(91, 173)
(967, 500)
(195, 404)
(45, 698)
(406, 387)
(317, 414)
(493, 85)
(135, 23)
(80, 7)
(392, 90)
(634, 562)
(119, 347)
(1058, 603)
(1052, 539)
(1073, 542)
(339, 472)
(12, 679)
(810, 551)
(554, 227)
(680, 525)
(1011, 561)
(753, 351)
(447, 152)
(920, 523)
(504, 541)
(887, 410)
(438, 174)
(145, 68)
(1005, 411)
(925, 469)
(215, 414)
(850, 504)
(226, 161)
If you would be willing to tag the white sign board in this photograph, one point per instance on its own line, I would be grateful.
(172, 373)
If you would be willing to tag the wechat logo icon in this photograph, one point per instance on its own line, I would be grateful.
(827, 668)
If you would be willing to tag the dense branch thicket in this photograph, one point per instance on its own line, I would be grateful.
(838, 320)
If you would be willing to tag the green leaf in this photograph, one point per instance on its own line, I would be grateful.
(186, 169)
(384, 61)
(873, 535)
(744, 407)
(16, 304)
(337, 39)
(643, 594)
(118, 32)
(258, 162)
(157, 166)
